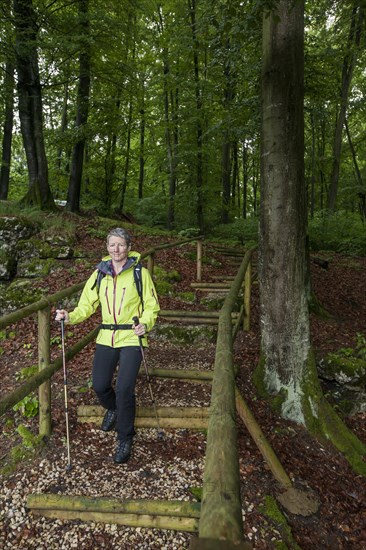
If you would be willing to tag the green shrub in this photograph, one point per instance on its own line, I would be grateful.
(151, 211)
(240, 231)
(342, 232)
(27, 406)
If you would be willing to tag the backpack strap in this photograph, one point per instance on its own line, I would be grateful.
(98, 280)
(137, 275)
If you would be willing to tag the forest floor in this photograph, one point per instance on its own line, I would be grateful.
(168, 469)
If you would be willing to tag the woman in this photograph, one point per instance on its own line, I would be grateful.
(113, 285)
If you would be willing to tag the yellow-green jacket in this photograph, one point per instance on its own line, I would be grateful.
(120, 302)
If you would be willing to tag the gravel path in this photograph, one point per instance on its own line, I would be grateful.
(158, 469)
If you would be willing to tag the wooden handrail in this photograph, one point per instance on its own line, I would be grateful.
(221, 515)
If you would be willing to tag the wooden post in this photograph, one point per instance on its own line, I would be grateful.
(150, 263)
(199, 260)
(260, 440)
(44, 392)
(247, 291)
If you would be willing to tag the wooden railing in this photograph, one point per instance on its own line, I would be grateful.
(221, 515)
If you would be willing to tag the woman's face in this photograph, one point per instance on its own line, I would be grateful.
(118, 249)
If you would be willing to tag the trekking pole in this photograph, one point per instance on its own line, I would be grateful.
(160, 432)
(69, 466)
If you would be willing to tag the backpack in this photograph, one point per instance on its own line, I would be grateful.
(137, 275)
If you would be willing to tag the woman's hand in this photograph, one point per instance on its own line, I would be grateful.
(139, 329)
(62, 315)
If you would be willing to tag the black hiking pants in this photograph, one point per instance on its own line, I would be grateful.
(122, 398)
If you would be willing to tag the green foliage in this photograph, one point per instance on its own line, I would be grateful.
(240, 231)
(26, 372)
(27, 406)
(164, 280)
(189, 232)
(271, 510)
(342, 232)
(151, 211)
(164, 288)
(187, 296)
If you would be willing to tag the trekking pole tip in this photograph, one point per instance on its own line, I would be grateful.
(68, 468)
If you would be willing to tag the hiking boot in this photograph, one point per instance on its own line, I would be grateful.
(109, 420)
(123, 451)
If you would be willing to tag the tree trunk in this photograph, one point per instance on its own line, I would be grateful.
(284, 312)
(287, 368)
(82, 109)
(349, 62)
(312, 175)
(7, 129)
(142, 143)
(235, 175)
(226, 145)
(245, 180)
(30, 104)
(64, 121)
(199, 131)
(110, 160)
(127, 159)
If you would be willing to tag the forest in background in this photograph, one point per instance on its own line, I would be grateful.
(153, 108)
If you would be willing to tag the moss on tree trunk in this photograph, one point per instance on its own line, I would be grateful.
(320, 419)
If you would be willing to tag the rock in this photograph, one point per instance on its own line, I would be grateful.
(12, 229)
(17, 294)
(8, 263)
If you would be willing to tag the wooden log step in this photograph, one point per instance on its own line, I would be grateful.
(143, 412)
(176, 515)
(180, 374)
(150, 422)
(199, 314)
(218, 285)
(193, 418)
(198, 320)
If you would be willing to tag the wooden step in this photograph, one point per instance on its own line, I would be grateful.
(159, 514)
(193, 418)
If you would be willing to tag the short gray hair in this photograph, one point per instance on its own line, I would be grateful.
(120, 232)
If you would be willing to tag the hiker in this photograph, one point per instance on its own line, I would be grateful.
(125, 290)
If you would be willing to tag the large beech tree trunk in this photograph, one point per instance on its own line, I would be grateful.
(284, 310)
(287, 367)
(30, 104)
